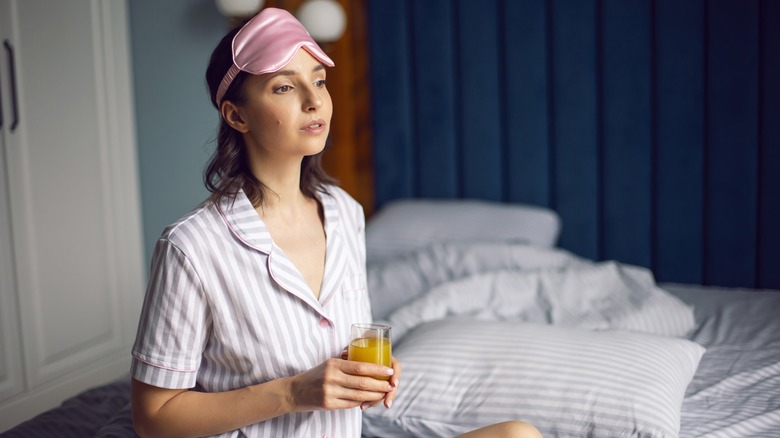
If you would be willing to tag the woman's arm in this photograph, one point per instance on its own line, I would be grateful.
(335, 384)
(180, 412)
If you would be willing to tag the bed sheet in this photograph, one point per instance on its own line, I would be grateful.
(101, 412)
(734, 393)
(736, 389)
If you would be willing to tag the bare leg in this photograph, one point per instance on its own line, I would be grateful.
(507, 429)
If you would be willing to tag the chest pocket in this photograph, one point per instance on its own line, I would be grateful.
(354, 293)
(354, 286)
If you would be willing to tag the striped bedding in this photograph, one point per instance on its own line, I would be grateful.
(734, 392)
(736, 389)
(462, 373)
(496, 309)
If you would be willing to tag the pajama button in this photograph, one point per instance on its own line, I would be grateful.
(324, 324)
(326, 436)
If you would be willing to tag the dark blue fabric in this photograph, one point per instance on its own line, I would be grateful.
(626, 84)
(678, 197)
(526, 103)
(731, 156)
(576, 142)
(435, 98)
(769, 195)
(391, 78)
(652, 128)
(479, 104)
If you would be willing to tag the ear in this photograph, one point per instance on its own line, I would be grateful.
(232, 115)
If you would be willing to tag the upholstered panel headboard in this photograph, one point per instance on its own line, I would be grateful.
(651, 127)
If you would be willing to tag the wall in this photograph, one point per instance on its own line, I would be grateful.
(171, 43)
(651, 127)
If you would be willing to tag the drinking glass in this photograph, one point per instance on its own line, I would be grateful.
(370, 343)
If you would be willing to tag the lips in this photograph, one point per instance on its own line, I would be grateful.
(314, 127)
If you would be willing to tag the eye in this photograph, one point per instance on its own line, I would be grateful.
(321, 83)
(283, 89)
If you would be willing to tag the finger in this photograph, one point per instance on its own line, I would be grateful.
(346, 396)
(395, 379)
(341, 383)
(338, 379)
(389, 398)
(366, 405)
(360, 397)
(366, 369)
(364, 383)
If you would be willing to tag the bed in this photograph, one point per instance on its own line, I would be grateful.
(493, 322)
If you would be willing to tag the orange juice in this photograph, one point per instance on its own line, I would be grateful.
(371, 350)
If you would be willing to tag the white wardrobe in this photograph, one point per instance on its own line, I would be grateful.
(71, 264)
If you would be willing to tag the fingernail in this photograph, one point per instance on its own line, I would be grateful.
(363, 406)
(389, 403)
(389, 371)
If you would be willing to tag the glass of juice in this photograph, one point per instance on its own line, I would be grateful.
(370, 343)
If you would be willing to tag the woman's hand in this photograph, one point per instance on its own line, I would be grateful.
(340, 384)
(395, 379)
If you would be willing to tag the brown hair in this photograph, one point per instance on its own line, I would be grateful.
(227, 171)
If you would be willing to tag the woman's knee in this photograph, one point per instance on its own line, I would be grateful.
(507, 429)
(518, 429)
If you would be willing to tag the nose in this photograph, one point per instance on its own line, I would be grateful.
(312, 100)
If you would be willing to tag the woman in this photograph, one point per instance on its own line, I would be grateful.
(251, 295)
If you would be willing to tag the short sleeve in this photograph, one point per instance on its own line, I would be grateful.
(174, 322)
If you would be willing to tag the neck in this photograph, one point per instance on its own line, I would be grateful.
(283, 187)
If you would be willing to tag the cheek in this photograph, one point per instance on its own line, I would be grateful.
(271, 120)
(282, 117)
(327, 106)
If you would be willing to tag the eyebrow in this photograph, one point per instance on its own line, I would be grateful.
(316, 68)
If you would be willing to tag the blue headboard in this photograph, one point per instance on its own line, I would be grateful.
(651, 127)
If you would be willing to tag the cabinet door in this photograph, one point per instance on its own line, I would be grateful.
(72, 185)
(11, 378)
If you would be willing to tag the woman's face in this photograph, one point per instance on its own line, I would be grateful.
(287, 114)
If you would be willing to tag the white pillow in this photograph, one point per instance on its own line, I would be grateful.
(514, 281)
(460, 374)
(403, 226)
(397, 281)
(602, 296)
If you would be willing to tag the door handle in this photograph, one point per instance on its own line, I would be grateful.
(9, 50)
(1, 103)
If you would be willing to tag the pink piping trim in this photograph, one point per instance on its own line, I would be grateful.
(162, 367)
(237, 235)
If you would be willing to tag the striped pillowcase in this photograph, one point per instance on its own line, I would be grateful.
(461, 374)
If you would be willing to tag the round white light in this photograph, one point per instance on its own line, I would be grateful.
(239, 8)
(324, 19)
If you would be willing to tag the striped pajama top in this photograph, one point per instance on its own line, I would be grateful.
(225, 308)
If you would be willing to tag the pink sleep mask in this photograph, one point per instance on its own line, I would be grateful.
(266, 44)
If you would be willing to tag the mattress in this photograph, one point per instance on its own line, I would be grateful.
(735, 391)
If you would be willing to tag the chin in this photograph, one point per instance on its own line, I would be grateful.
(314, 148)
